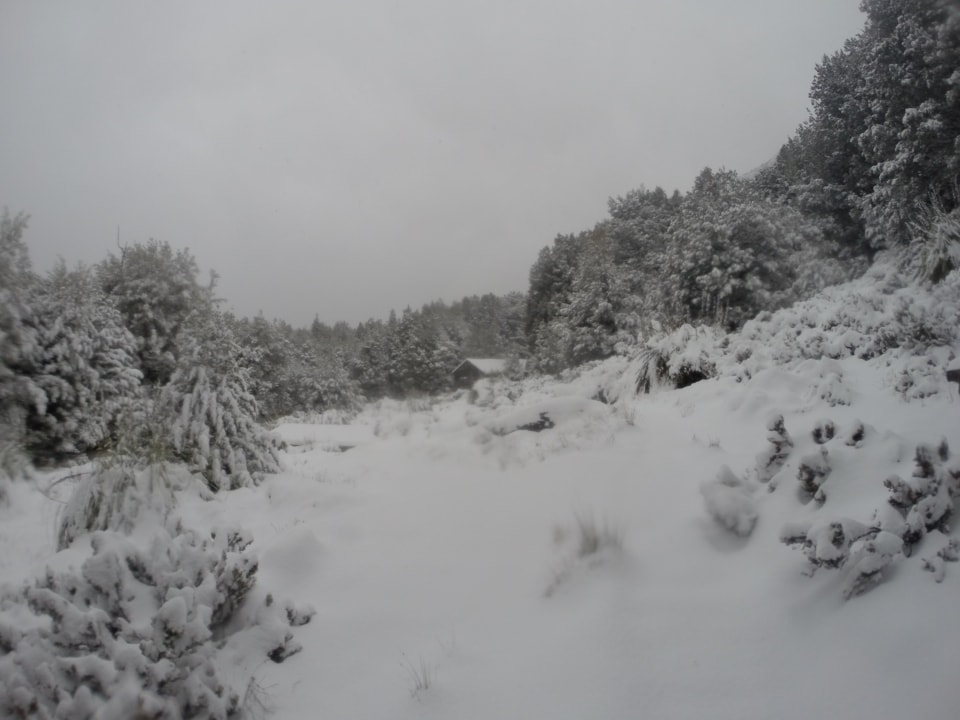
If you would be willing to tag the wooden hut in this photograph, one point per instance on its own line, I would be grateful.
(472, 369)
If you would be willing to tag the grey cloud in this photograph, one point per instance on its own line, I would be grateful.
(344, 158)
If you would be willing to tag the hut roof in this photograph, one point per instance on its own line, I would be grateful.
(488, 366)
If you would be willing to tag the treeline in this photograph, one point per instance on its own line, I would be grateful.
(875, 166)
(337, 367)
(141, 333)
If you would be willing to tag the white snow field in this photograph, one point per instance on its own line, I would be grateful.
(607, 566)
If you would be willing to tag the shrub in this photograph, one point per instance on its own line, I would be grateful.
(925, 500)
(115, 495)
(812, 473)
(827, 544)
(136, 632)
(936, 231)
(730, 503)
(773, 459)
(679, 359)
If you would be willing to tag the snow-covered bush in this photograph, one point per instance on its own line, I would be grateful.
(830, 387)
(925, 500)
(679, 359)
(823, 431)
(138, 632)
(918, 377)
(918, 506)
(116, 494)
(812, 473)
(773, 458)
(864, 318)
(869, 557)
(936, 231)
(729, 501)
(855, 434)
(827, 544)
(948, 553)
(914, 327)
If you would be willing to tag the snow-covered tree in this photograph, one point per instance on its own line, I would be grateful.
(420, 360)
(157, 291)
(911, 85)
(551, 282)
(731, 253)
(209, 413)
(369, 366)
(83, 369)
(17, 338)
(886, 117)
(595, 311)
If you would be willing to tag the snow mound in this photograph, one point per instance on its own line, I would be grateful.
(729, 501)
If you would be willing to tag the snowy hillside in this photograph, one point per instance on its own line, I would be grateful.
(567, 548)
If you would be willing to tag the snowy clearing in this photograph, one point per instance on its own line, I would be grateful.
(451, 577)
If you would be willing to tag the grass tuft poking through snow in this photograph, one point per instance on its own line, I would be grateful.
(420, 676)
(594, 537)
(588, 541)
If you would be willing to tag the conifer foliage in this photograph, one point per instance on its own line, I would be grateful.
(209, 412)
(156, 290)
(83, 370)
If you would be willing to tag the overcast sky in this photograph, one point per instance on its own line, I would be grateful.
(346, 157)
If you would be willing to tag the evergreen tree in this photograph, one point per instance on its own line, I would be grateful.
(83, 370)
(593, 314)
(731, 254)
(370, 365)
(208, 411)
(551, 282)
(911, 86)
(885, 129)
(17, 339)
(157, 292)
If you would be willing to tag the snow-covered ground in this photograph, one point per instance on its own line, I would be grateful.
(461, 569)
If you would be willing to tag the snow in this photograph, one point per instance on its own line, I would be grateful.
(443, 555)
(326, 437)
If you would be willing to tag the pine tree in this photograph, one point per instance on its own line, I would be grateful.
(157, 292)
(83, 371)
(16, 278)
(912, 87)
(211, 415)
(17, 345)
